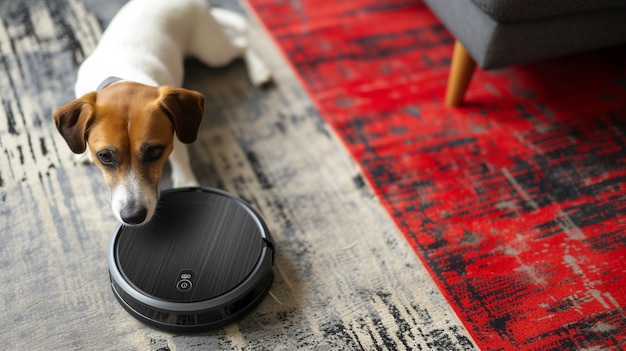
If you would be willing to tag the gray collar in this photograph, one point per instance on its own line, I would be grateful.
(105, 83)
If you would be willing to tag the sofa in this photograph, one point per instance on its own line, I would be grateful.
(498, 33)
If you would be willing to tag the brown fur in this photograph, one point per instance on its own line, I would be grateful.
(126, 120)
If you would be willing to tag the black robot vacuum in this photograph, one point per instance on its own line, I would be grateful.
(203, 261)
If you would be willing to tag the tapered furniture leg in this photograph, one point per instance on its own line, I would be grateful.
(461, 72)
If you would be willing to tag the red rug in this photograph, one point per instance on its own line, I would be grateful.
(516, 202)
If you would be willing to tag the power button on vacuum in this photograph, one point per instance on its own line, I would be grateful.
(185, 284)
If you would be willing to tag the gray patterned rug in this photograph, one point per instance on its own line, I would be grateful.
(345, 278)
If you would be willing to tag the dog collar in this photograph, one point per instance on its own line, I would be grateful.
(105, 83)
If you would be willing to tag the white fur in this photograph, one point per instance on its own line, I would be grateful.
(146, 42)
(132, 195)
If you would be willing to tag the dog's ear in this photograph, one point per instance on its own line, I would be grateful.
(73, 119)
(185, 108)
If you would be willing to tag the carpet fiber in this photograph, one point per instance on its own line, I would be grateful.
(399, 224)
(516, 202)
(345, 277)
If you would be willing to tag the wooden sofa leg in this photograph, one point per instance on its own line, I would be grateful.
(461, 72)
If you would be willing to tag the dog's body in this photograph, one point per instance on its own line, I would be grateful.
(129, 124)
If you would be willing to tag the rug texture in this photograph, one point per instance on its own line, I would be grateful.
(515, 202)
(346, 279)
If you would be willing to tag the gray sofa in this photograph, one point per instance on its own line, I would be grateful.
(498, 33)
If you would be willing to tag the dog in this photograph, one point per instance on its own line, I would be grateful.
(129, 101)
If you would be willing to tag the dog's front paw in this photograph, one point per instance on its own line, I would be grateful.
(83, 159)
(257, 69)
(183, 181)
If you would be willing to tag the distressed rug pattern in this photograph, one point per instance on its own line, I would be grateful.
(345, 277)
(515, 202)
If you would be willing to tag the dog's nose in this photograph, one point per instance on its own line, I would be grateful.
(130, 216)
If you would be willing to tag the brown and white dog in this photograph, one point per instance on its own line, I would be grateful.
(126, 125)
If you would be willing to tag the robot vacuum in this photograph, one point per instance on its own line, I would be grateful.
(203, 261)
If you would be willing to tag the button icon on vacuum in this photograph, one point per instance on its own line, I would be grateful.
(185, 284)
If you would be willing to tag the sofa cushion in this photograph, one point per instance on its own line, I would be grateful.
(495, 44)
(522, 10)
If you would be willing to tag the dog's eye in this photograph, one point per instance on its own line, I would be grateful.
(154, 153)
(105, 157)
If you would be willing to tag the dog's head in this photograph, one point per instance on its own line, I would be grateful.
(129, 128)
